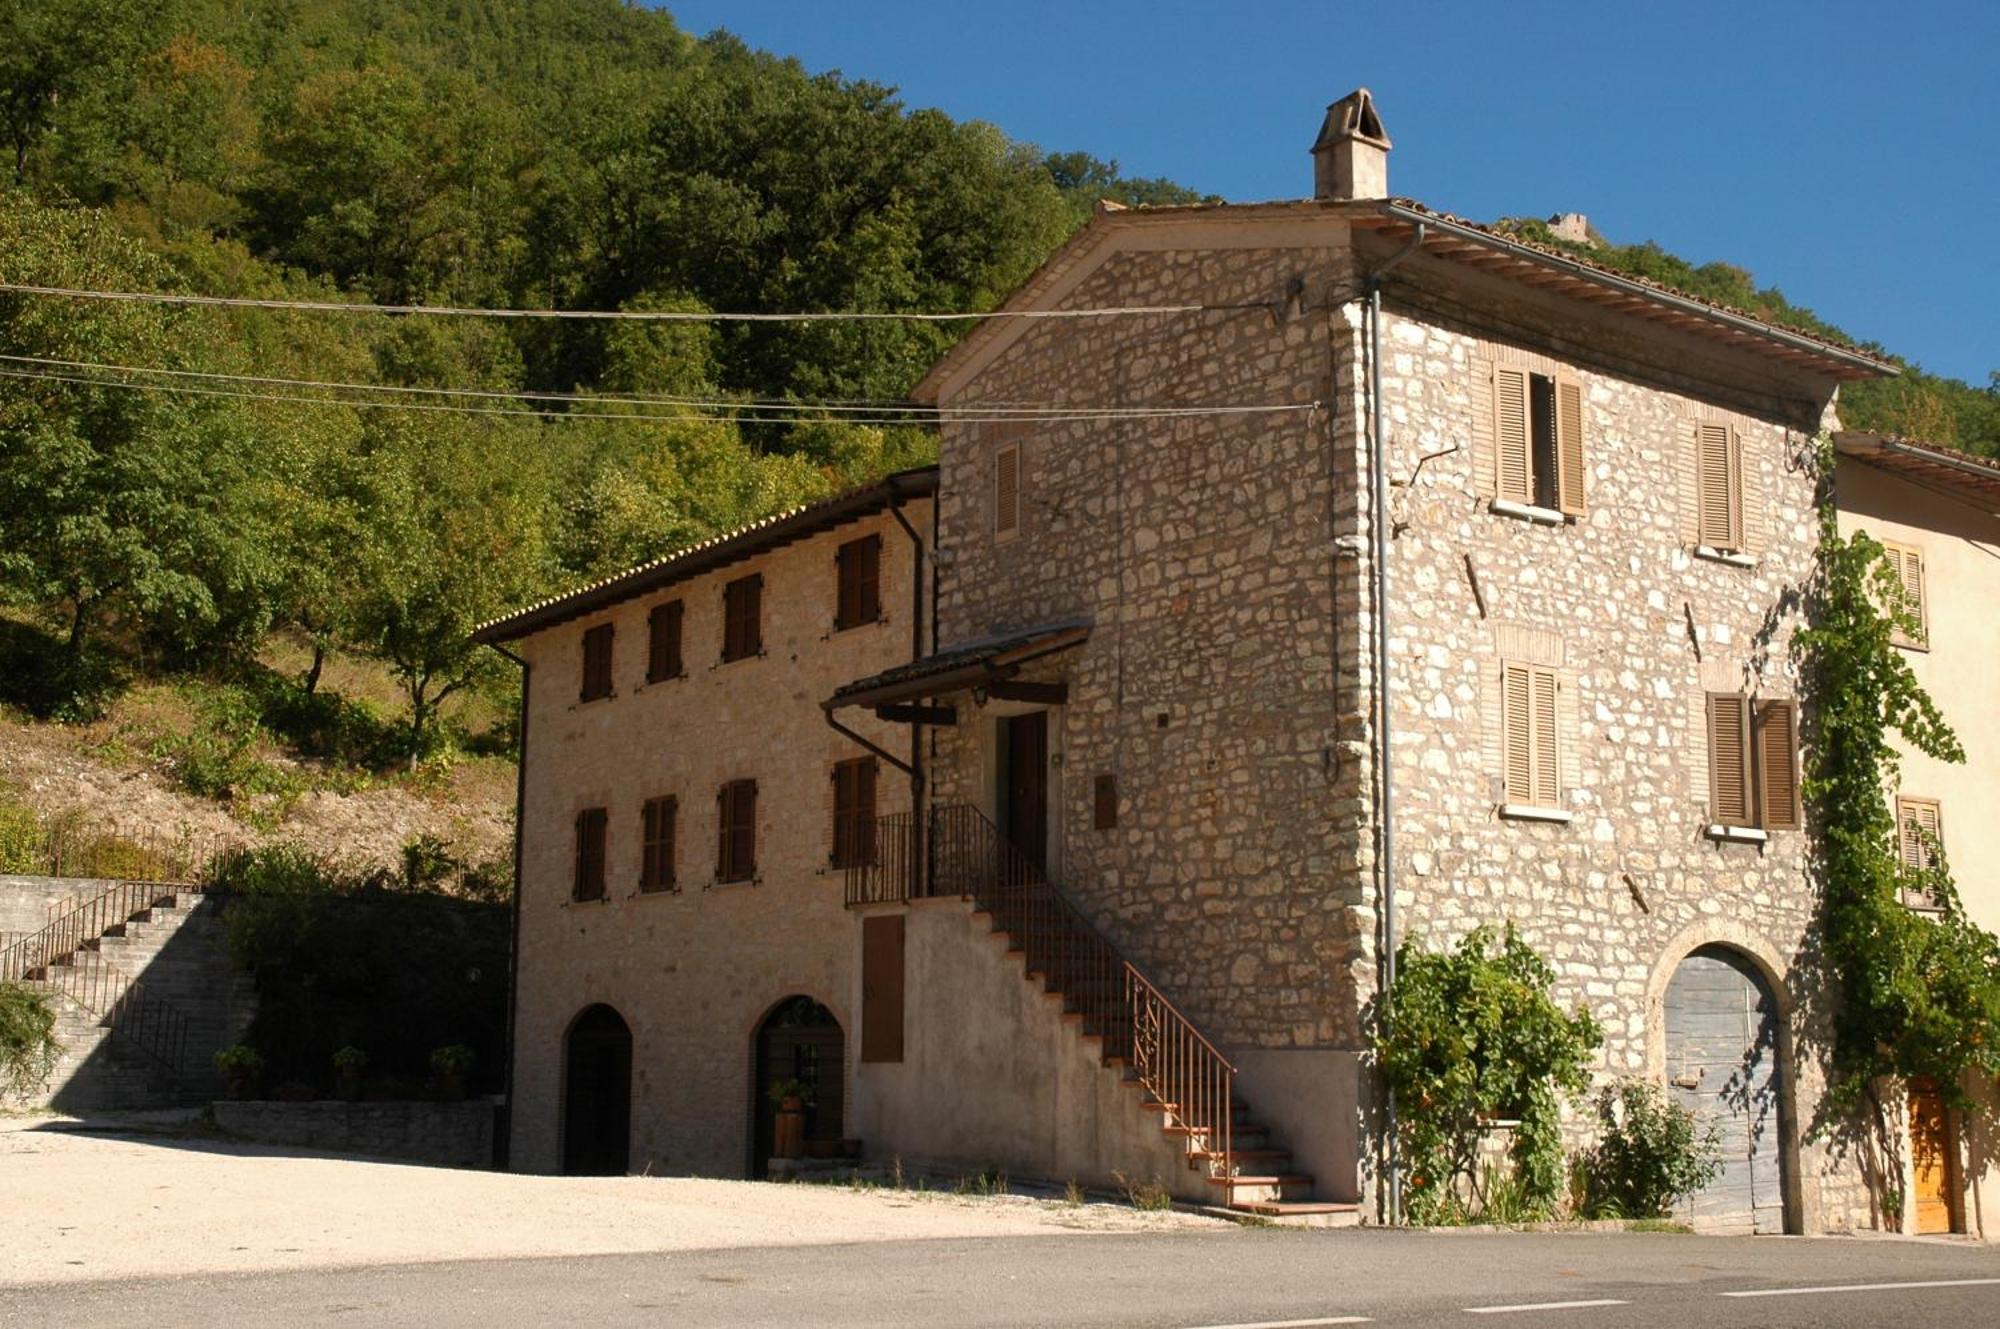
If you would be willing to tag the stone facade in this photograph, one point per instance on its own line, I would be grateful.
(442, 1134)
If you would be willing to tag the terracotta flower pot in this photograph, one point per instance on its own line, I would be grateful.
(788, 1136)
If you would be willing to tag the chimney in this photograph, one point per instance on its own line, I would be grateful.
(1351, 156)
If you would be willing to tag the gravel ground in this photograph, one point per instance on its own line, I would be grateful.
(133, 1199)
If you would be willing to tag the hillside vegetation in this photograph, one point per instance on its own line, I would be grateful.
(225, 539)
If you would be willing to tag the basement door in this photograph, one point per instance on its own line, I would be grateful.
(1722, 1062)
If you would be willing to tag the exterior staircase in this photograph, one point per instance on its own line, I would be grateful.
(1174, 1072)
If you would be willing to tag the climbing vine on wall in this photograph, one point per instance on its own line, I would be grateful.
(1920, 991)
(1478, 1039)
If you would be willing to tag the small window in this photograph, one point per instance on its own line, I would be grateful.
(854, 813)
(742, 618)
(1104, 802)
(1531, 772)
(1007, 490)
(596, 663)
(736, 846)
(1920, 838)
(858, 567)
(590, 828)
(1719, 487)
(656, 868)
(663, 642)
(1538, 432)
(1753, 762)
(1908, 564)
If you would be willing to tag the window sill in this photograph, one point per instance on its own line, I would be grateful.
(728, 660)
(592, 701)
(657, 892)
(658, 682)
(1731, 557)
(879, 620)
(1910, 643)
(1529, 812)
(1507, 507)
(1737, 834)
(574, 903)
(717, 884)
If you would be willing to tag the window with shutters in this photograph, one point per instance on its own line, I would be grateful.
(1753, 762)
(858, 577)
(1908, 564)
(596, 663)
(742, 618)
(854, 812)
(656, 865)
(590, 836)
(1539, 446)
(736, 820)
(1718, 453)
(1007, 491)
(663, 642)
(1920, 836)
(1531, 770)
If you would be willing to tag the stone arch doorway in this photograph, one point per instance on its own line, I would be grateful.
(798, 1040)
(1721, 1034)
(597, 1095)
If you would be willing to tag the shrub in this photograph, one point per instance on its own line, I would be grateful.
(28, 1044)
(452, 1059)
(241, 1059)
(1653, 1153)
(350, 1060)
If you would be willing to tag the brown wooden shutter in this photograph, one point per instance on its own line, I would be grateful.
(882, 988)
(1007, 490)
(596, 663)
(590, 829)
(1104, 802)
(1571, 462)
(1720, 489)
(1512, 454)
(656, 872)
(742, 617)
(854, 812)
(1729, 758)
(663, 642)
(1775, 728)
(736, 850)
(858, 576)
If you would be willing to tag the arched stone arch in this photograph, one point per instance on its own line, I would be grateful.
(596, 1128)
(798, 1037)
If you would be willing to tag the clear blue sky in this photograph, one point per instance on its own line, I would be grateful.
(1847, 153)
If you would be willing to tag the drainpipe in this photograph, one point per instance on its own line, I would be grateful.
(506, 1141)
(1385, 845)
(916, 646)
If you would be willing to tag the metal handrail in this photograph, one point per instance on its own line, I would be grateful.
(1183, 1071)
(890, 868)
(55, 958)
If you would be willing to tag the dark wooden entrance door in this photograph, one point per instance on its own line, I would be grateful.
(1930, 1157)
(1722, 1063)
(799, 1040)
(597, 1096)
(1024, 784)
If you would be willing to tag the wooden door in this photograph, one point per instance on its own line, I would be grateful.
(800, 1040)
(597, 1096)
(1722, 1054)
(1930, 1157)
(1024, 811)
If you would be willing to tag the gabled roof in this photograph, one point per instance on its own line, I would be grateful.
(1925, 463)
(758, 537)
(1443, 236)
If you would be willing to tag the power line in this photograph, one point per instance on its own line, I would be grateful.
(1026, 412)
(629, 315)
(764, 417)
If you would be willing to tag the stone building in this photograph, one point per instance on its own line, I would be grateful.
(1131, 912)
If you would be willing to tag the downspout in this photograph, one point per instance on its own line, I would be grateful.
(916, 647)
(1378, 523)
(505, 1148)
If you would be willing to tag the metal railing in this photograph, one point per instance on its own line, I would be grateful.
(1191, 1081)
(72, 845)
(891, 868)
(64, 957)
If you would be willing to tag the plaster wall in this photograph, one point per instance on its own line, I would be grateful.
(694, 971)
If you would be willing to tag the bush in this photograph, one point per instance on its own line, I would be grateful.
(1653, 1153)
(28, 1044)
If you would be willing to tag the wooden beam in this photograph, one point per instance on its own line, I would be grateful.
(1047, 694)
(918, 714)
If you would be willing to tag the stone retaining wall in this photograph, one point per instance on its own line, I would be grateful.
(442, 1134)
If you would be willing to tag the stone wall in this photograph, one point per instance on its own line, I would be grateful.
(444, 1134)
(694, 971)
(25, 901)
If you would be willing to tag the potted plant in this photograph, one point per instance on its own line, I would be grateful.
(450, 1065)
(791, 1098)
(240, 1066)
(1892, 1209)
(348, 1063)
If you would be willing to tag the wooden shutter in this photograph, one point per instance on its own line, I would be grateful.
(1104, 802)
(736, 847)
(1547, 786)
(590, 826)
(1920, 831)
(742, 615)
(882, 988)
(1571, 463)
(854, 812)
(1774, 726)
(1719, 486)
(1908, 564)
(663, 642)
(1531, 769)
(1729, 758)
(1513, 477)
(858, 577)
(596, 663)
(656, 872)
(1007, 490)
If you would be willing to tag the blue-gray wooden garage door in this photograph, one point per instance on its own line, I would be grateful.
(1722, 1061)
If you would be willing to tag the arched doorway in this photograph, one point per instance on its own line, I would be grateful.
(1722, 1062)
(597, 1095)
(799, 1040)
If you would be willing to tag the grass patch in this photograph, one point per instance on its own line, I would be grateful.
(1150, 1196)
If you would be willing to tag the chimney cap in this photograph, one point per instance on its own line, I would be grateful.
(1353, 117)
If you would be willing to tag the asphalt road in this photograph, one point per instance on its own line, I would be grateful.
(1217, 1278)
